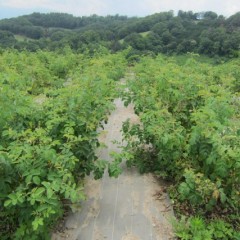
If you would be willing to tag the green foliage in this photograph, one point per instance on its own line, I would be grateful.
(52, 105)
(189, 131)
(196, 228)
(200, 191)
(204, 33)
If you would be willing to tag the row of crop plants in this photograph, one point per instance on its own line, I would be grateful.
(190, 135)
(51, 106)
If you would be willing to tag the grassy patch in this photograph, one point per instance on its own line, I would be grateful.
(144, 34)
(22, 38)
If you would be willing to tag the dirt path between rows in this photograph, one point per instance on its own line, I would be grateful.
(131, 207)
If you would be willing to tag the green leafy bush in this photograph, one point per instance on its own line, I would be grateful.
(196, 228)
(189, 131)
(49, 134)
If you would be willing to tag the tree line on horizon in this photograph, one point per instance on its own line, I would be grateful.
(204, 33)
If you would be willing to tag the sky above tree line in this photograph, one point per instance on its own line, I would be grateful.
(14, 8)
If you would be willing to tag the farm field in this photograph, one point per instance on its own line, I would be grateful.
(51, 107)
(54, 106)
(189, 135)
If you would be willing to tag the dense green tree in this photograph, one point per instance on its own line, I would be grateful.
(136, 41)
(187, 15)
(58, 35)
(7, 39)
(154, 42)
(160, 28)
(206, 46)
(203, 32)
(233, 22)
(166, 37)
(210, 15)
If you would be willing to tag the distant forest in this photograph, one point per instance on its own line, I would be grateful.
(204, 33)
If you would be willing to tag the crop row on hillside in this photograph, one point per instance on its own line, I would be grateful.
(190, 134)
(51, 106)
